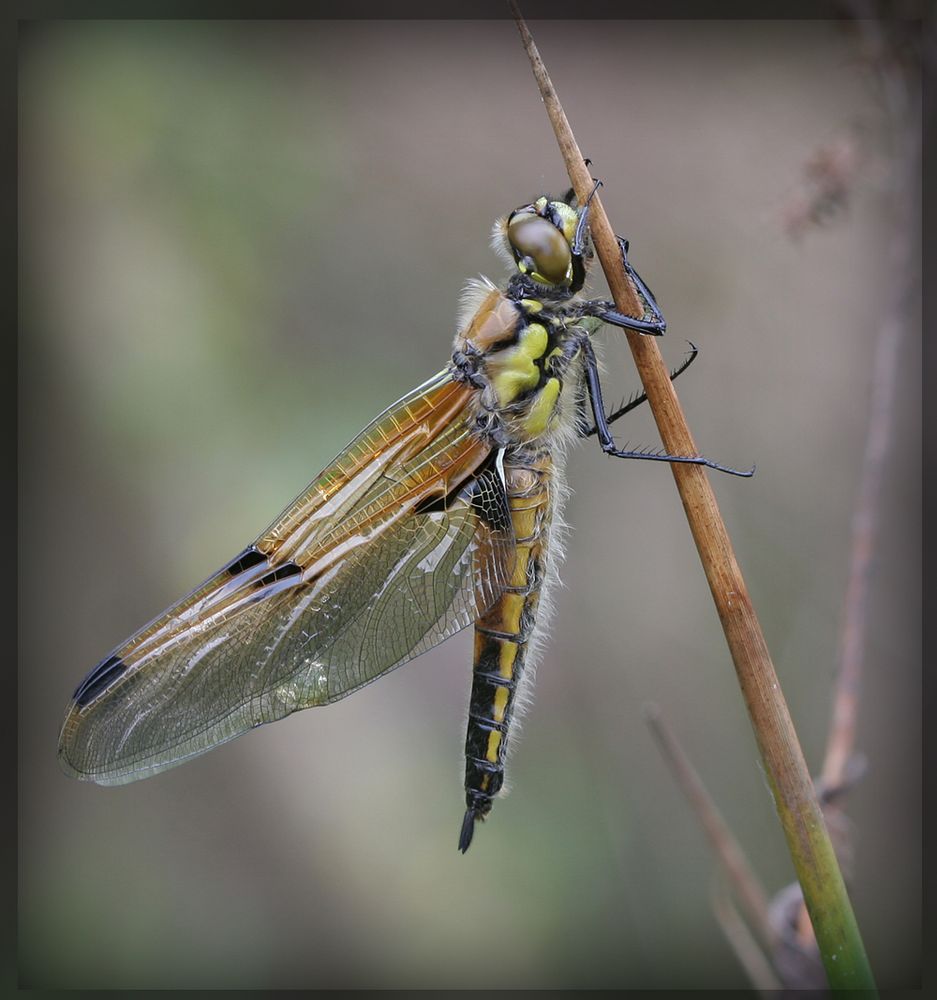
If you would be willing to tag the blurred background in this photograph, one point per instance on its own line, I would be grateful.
(239, 242)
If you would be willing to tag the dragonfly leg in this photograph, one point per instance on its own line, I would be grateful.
(467, 363)
(579, 239)
(606, 440)
(607, 312)
(637, 400)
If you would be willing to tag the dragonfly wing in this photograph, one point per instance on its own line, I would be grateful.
(265, 636)
(432, 575)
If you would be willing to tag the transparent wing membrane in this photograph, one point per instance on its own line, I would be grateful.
(400, 543)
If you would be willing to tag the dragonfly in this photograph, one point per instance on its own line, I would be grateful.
(444, 512)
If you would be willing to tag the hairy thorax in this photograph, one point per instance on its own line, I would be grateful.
(520, 354)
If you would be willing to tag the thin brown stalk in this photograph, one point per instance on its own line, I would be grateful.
(841, 765)
(745, 883)
(801, 819)
(903, 113)
(751, 957)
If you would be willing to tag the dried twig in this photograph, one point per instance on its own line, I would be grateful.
(745, 883)
(790, 958)
(807, 838)
(842, 766)
(757, 967)
(902, 282)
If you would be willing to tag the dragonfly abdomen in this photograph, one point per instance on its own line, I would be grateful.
(503, 636)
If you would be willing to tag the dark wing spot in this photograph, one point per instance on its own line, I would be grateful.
(285, 572)
(103, 675)
(435, 504)
(490, 500)
(248, 559)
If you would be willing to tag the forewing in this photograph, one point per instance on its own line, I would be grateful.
(405, 558)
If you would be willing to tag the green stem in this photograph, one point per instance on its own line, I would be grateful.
(834, 924)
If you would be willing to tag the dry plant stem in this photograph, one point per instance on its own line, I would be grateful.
(849, 667)
(753, 960)
(904, 114)
(903, 111)
(747, 887)
(824, 891)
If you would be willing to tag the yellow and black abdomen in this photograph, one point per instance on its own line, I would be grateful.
(523, 360)
(503, 635)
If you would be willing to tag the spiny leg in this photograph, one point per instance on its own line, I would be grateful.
(605, 435)
(571, 197)
(642, 286)
(579, 239)
(637, 400)
(607, 312)
(611, 315)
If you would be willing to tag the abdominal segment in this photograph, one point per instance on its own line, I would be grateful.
(503, 634)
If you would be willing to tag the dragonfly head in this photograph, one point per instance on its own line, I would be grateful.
(540, 238)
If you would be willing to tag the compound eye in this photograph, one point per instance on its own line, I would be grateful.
(538, 240)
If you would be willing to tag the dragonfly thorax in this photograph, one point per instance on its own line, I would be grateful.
(519, 353)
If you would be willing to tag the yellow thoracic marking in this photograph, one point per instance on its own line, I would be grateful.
(543, 408)
(533, 340)
(513, 371)
(532, 305)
